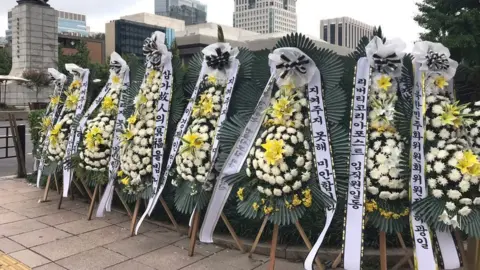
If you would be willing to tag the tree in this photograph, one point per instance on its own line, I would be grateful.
(455, 24)
(378, 32)
(37, 80)
(5, 61)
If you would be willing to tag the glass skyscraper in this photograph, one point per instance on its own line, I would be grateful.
(190, 11)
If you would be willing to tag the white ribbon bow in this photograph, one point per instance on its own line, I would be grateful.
(292, 66)
(386, 57)
(434, 57)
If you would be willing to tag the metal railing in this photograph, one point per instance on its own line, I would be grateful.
(8, 146)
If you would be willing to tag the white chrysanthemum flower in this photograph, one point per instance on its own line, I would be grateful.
(450, 206)
(430, 135)
(375, 174)
(291, 130)
(288, 177)
(437, 122)
(394, 172)
(380, 158)
(438, 167)
(275, 170)
(476, 201)
(437, 193)
(286, 189)
(394, 196)
(454, 194)
(370, 164)
(249, 173)
(294, 172)
(279, 180)
(437, 109)
(466, 201)
(430, 157)
(383, 169)
(288, 150)
(267, 192)
(432, 183)
(259, 174)
(454, 175)
(384, 181)
(442, 154)
(465, 211)
(260, 189)
(464, 186)
(373, 190)
(297, 185)
(385, 195)
(453, 162)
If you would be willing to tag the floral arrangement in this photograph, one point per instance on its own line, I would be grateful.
(94, 154)
(473, 129)
(60, 132)
(194, 172)
(386, 190)
(280, 164)
(452, 167)
(135, 175)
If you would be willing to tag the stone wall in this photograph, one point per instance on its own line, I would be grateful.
(20, 95)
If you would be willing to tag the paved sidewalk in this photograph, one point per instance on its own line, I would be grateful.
(44, 237)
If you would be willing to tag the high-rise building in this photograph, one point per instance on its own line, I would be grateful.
(68, 23)
(344, 31)
(266, 16)
(190, 11)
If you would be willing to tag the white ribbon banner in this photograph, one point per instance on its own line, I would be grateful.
(59, 83)
(114, 162)
(448, 250)
(233, 165)
(323, 157)
(423, 249)
(71, 137)
(352, 253)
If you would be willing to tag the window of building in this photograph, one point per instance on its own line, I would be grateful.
(340, 34)
(332, 33)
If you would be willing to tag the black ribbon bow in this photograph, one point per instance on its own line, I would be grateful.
(288, 65)
(151, 52)
(436, 61)
(218, 61)
(388, 64)
(115, 66)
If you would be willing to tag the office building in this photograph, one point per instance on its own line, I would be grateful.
(95, 46)
(344, 31)
(127, 37)
(266, 16)
(190, 11)
(68, 23)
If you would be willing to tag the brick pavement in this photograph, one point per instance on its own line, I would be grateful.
(46, 238)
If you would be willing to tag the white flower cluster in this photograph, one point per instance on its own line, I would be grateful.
(383, 162)
(61, 130)
(381, 100)
(449, 178)
(281, 158)
(95, 154)
(59, 137)
(193, 163)
(136, 154)
(473, 130)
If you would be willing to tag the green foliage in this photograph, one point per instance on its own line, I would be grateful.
(34, 123)
(37, 80)
(5, 61)
(378, 32)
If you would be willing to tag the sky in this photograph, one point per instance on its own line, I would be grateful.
(395, 16)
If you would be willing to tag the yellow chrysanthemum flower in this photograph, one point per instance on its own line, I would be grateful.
(125, 181)
(72, 100)
(282, 107)
(296, 201)
(211, 79)
(193, 140)
(151, 76)
(142, 99)
(132, 119)
(474, 170)
(55, 100)
(93, 138)
(46, 123)
(469, 159)
(204, 106)
(120, 173)
(267, 210)
(384, 82)
(75, 85)
(273, 151)
(240, 193)
(255, 206)
(54, 134)
(116, 79)
(441, 82)
(108, 105)
(307, 198)
(127, 136)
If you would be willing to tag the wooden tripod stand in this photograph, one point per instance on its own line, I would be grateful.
(193, 231)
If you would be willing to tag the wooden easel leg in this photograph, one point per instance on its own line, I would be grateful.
(232, 233)
(473, 253)
(134, 217)
(404, 247)
(56, 183)
(60, 201)
(383, 251)
(169, 213)
(308, 243)
(193, 237)
(337, 260)
(127, 208)
(461, 247)
(257, 239)
(273, 247)
(47, 188)
(99, 193)
(86, 189)
(79, 188)
(92, 202)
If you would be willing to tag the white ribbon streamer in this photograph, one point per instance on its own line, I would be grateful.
(233, 165)
(352, 253)
(71, 138)
(114, 162)
(423, 249)
(323, 158)
(59, 83)
(448, 250)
